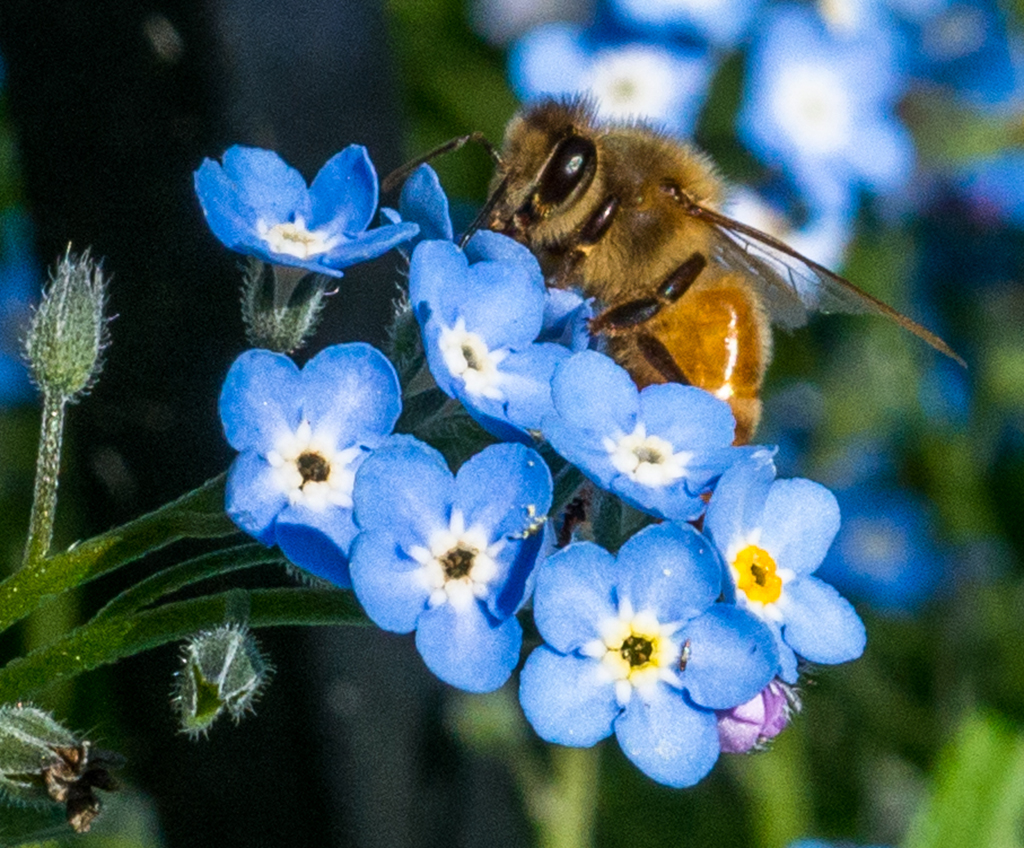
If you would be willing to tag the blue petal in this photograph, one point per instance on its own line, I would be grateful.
(352, 395)
(365, 246)
(732, 657)
(388, 584)
(261, 400)
(502, 300)
(265, 184)
(670, 570)
(737, 506)
(667, 739)
(521, 500)
(317, 552)
(489, 246)
(424, 202)
(687, 417)
(253, 499)
(678, 501)
(526, 383)
(404, 488)
(595, 396)
(434, 265)
(801, 518)
(821, 625)
(464, 648)
(574, 594)
(344, 193)
(234, 224)
(567, 700)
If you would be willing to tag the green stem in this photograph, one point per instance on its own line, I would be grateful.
(44, 498)
(564, 808)
(197, 515)
(111, 638)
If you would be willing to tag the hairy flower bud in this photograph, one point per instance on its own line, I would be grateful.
(43, 762)
(69, 330)
(281, 305)
(749, 726)
(224, 670)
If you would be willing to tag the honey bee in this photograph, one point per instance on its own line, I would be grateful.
(628, 215)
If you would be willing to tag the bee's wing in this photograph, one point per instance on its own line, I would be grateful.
(794, 285)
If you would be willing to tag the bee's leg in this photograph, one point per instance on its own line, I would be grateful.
(659, 358)
(642, 309)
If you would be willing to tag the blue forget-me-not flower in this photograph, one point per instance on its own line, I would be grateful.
(258, 205)
(451, 556)
(659, 449)
(773, 534)
(301, 437)
(637, 645)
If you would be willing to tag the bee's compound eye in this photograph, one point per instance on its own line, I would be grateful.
(573, 161)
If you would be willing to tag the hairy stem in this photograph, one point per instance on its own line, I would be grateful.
(44, 498)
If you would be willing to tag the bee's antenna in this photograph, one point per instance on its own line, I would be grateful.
(480, 221)
(391, 180)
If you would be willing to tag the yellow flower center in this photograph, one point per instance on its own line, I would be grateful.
(756, 575)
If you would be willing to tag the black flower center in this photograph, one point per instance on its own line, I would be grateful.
(637, 650)
(650, 455)
(458, 562)
(759, 574)
(313, 468)
(469, 353)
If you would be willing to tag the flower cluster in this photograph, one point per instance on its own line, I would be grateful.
(683, 643)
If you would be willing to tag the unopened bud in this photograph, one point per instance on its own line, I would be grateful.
(43, 762)
(281, 305)
(68, 332)
(224, 671)
(751, 725)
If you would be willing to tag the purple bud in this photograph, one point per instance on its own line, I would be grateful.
(763, 717)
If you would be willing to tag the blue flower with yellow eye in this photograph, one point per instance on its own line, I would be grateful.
(772, 535)
(636, 645)
(258, 205)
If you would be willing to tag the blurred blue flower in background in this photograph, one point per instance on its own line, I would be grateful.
(721, 22)
(821, 843)
(821, 106)
(885, 554)
(994, 186)
(258, 205)
(658, 82)
(966, 47)
(19, 286)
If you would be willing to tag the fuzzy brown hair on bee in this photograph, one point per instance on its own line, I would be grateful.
(629, 216)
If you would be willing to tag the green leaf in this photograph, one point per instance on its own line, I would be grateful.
(197, 515)
(978, 792)
(107, 639)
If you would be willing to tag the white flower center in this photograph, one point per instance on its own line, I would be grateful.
(293, 239)
(812, 104)
(467, 356)
(648, 460)
(458, 565)
(311, 471)
(633, 81)
(636, 651)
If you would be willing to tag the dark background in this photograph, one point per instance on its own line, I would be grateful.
(115, 103)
